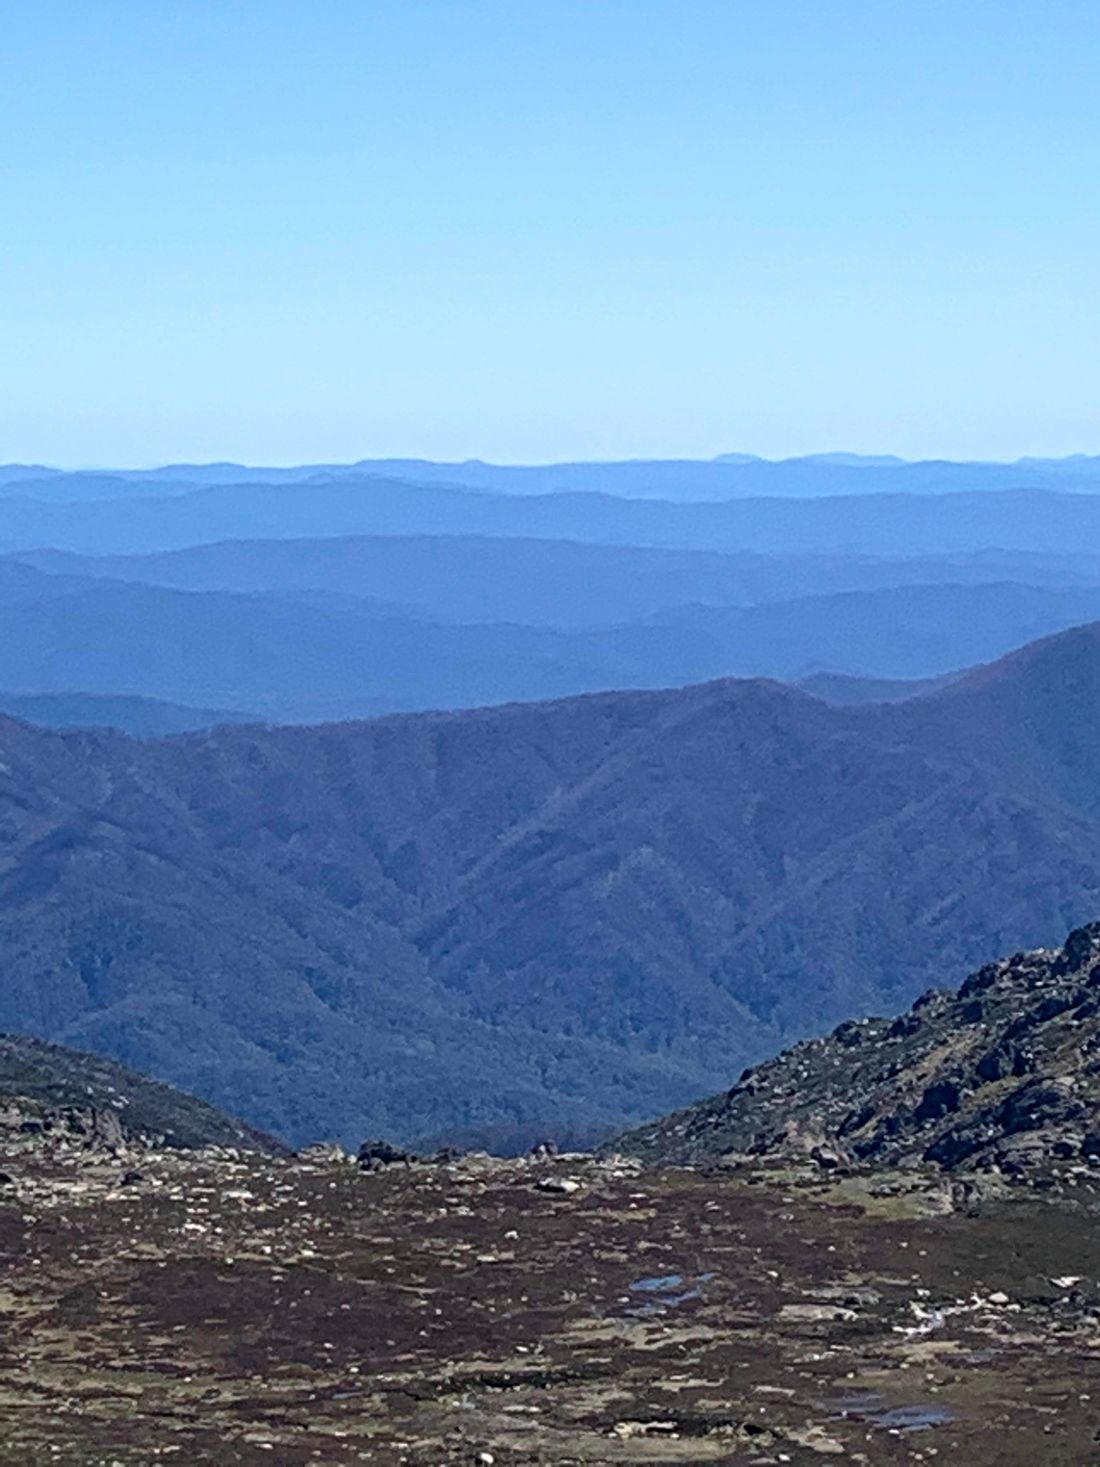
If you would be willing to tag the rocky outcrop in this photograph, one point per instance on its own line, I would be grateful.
(1002, 1076)
(57, 1098)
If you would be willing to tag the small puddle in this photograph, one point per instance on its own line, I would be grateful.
(666, 1291)
(658, 1284)
(871, 1407)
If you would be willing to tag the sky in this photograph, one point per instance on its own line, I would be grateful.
(279, 231)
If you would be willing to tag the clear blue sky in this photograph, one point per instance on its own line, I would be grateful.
(283, 230)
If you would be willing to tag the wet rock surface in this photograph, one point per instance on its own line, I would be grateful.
(221, 1307)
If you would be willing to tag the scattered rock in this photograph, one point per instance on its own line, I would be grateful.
(323, 1153)
(558, 1184)
(377, 1155)
(828, 1158)
(818, 1313)
(626, 1431)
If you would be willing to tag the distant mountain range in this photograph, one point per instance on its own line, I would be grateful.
(293, 628)
(558, 583)
(895, 523)
(562, 915)
(729, 476)
(308, 655)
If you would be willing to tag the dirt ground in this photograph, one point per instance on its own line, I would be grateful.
(211, 1310)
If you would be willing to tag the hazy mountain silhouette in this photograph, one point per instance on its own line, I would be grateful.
(740, 476)
(550, 582)
(896, 523)
(728, 476)
(576, 913)
(316, 655)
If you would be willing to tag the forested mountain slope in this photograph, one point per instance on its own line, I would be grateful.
(562, 915)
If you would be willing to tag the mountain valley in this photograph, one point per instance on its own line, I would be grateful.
(571, 914)
(549, 735)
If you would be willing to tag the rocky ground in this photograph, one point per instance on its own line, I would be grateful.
(999, 1079)
(228, 1308)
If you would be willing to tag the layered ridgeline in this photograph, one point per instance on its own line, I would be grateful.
(371, 594)
(286, 641)
(553, 917)
(728, 476)
(890, 522)
(1001, 1076)
(478, 579)
(52, 1095)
